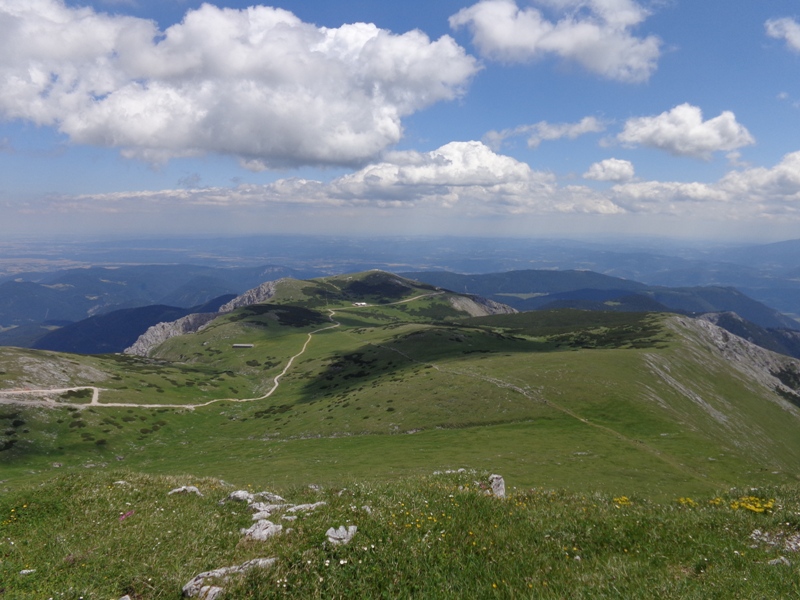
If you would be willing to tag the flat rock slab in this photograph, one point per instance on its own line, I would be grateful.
(342, 535)
(261, 531)
(208, 585)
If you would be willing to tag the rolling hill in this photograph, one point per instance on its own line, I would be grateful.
(373, 375)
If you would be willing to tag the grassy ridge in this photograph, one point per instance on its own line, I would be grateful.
(566, 399)
(435, 536)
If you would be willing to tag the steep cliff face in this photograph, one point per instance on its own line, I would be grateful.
(258, 294)
(161, 332)
(475, 306)
(772, 370)
(158, 334)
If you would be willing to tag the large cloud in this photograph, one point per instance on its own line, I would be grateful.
(257, 83)
(785, 29)
(682, 132)
(596, 34)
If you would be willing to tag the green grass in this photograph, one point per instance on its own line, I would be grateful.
(566, 399)
(432, 536)
(575, 409)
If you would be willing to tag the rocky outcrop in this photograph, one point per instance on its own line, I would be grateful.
(476, 306)
(498, 485)
(161, 332)
(257, 295)
(208, 585)
(753, 361)
(342, 535)
(262, 530)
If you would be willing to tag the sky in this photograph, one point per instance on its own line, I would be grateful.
(519, 118)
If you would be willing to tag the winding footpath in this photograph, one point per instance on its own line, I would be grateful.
(15, 396)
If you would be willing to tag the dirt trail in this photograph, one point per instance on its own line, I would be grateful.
(15, 396)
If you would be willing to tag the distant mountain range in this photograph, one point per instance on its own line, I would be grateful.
(75, 294)
(104, 310)
(536, 289)
(115, 331)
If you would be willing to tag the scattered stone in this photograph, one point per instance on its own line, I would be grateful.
(126, 597)
(261, 531)
(239, 496)
(120, 457)
(367, 509)
(792, 543)
(789, 544)
(270, 497)
(289, 517)
(314, 487)
(121, 482)
(266, 508)
(340, 536)
(186, 489)
(203, 586)
(306, 507)
(498, 485)
(781, 560)
(27, 571)
(57, 465)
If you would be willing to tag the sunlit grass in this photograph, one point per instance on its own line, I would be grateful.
(438, 536)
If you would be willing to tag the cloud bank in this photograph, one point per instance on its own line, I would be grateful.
(682, 132)
(467, 180)
(258, 84)
(597, 34)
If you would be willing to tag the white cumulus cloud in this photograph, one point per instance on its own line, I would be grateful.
(256, 83)
(597, 34)
(611, 169)
(464, 174)
(544, 131)
(682, 132)
(786, 29)
(757, 192)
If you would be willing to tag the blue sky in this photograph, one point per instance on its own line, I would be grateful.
(569, 118)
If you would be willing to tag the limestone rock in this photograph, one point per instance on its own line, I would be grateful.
(475, 306)
(269, 497)
(306, 507)
(498, 485)
(161, 332)
(239, 496)
(186, 489)
(207, 585)
(342, 535)
(262, 293)
(261, 531)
